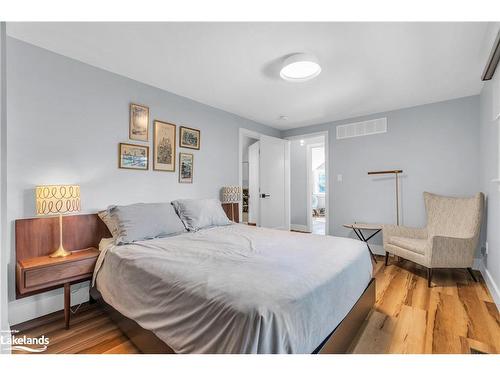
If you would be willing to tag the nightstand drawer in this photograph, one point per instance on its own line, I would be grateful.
(58, 273)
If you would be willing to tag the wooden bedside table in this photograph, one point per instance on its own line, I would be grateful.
(36, 275)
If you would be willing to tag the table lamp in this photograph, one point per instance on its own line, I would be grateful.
(57, 199)
(231, 195)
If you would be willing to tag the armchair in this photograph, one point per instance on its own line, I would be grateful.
(448, 241)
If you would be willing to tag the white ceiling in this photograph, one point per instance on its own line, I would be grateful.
(366, 67)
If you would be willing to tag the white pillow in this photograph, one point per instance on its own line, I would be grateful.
(200, 213)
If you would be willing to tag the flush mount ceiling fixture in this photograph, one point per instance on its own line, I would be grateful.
(300, 67)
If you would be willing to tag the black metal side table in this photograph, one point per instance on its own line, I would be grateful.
(358, 229)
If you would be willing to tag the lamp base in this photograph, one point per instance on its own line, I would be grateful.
(61, 252)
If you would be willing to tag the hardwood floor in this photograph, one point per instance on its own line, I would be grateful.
(91, 332)
(456, 315)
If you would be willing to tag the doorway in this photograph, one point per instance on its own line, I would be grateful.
(250, 180)
(316, 180)
(309, 183)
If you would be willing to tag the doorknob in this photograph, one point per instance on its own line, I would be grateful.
(265, 195)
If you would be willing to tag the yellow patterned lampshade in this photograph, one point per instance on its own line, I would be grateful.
(57, 199)
(231, 194)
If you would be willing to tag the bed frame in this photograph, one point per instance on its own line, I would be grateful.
(337, 342)
(40, 236)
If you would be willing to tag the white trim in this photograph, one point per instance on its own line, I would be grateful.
(288, 185)
(309, 190)
(241, 135)
(300, 228)
(326, 139)
(24, 309)
(309, 184)
(490, 283)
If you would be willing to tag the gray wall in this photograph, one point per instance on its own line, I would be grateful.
(437, 146)
(489, 159)
(4, 324)
(65, 120)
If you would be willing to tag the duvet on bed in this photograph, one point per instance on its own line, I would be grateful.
(236, 289)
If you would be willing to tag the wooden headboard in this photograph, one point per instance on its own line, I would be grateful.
(40, 236)
(232, 211)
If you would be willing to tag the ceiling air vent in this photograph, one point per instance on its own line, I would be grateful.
(359, 129)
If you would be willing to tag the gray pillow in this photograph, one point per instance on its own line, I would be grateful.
(142, 221)
(201, 213)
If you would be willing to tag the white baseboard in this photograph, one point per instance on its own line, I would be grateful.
(490, 283)
(28, 308)
(299, 228)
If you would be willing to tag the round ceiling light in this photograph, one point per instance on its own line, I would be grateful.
(300, 67)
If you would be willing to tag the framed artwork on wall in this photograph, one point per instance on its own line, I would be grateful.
(133, 156)
(163, 146)
(189, 138)
(139, 123)
(186, 168)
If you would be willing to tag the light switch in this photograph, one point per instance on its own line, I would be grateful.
(339, 178)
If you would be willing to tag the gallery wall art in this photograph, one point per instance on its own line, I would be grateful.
(163, 146)
(189, 138)
(139, 123)
(133, 156)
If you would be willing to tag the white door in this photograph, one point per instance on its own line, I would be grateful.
(274, 183)
(253, 183)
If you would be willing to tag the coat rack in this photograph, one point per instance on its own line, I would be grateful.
(395, 172)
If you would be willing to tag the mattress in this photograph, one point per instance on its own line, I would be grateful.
(237, 288)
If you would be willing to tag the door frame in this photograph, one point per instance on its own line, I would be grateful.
(309, 188)
(309, 177)
(242, 134)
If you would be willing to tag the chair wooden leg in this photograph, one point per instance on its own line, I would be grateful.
(386, 257)
(429, 277)
(472, 274)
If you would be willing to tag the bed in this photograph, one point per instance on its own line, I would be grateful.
(237, 289)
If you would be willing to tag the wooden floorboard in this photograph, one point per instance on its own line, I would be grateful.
(455, 316)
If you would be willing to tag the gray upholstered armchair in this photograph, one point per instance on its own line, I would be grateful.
(449, 240)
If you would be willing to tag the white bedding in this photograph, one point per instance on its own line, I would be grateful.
(236, 289)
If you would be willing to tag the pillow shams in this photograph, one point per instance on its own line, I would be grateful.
(200, 213)
(142, 221)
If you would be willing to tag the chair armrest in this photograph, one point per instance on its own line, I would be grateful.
(401, 231)
(453, 251)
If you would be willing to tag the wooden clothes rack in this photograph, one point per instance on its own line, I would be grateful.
(395, 172)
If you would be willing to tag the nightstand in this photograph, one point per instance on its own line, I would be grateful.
(36, 275)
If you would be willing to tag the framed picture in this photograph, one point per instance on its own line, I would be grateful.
(133, 156)
(189, 138)
(139, 123)
(163, 146)
(186, 168)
